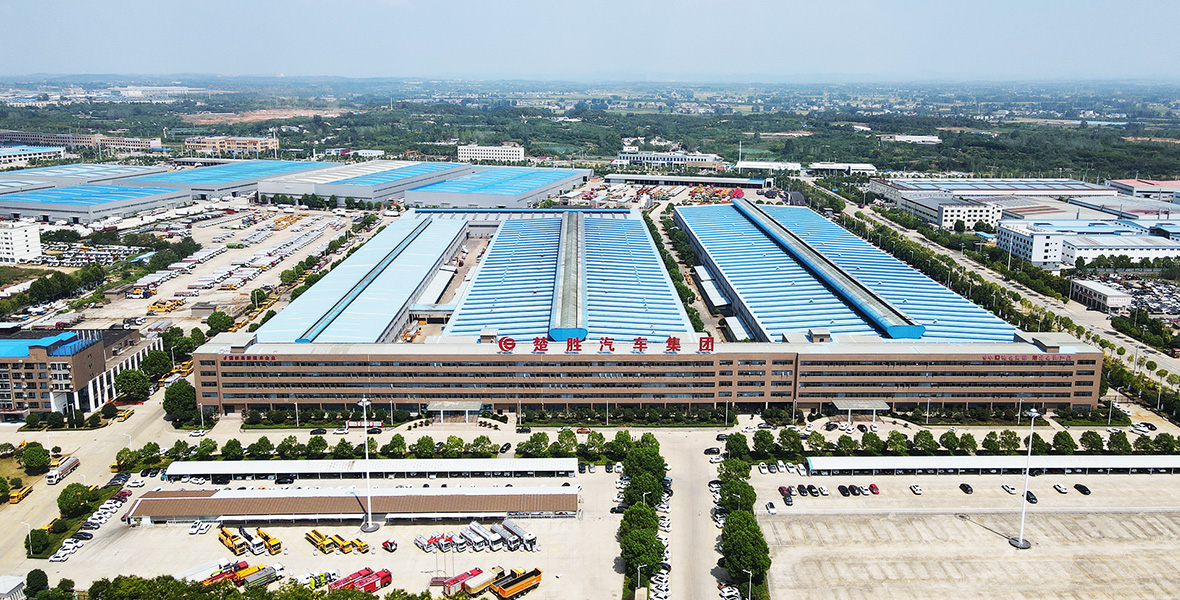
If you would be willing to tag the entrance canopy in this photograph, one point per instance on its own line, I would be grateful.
(454, 406)
(860, 404)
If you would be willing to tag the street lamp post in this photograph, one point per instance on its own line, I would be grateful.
(1019, 542)
(369, 526)
(637, 575)
(28, 539)
(749, 584)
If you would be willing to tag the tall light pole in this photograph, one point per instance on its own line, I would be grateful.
(369, 526)
(637, 576)
(1019, 542)
(749, 584)
(28, 539)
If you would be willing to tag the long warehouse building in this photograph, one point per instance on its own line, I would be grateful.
(568, 309)
(371, 181)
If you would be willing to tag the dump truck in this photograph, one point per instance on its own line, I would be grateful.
(255, 544)
(272, 543)
(321, 542)
(514, 587)
(476, 585)
(235, 544)
(361, 546)
(241, 576)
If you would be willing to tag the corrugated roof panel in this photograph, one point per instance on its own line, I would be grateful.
(231, 172)
(86, 195)
(500, 181)
(396, 174)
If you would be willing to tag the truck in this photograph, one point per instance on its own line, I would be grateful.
(235, 544)
(422, 543)
(348, 581)
(66, 467)
(255, 544)
(241, 575)
(511, 542)
(272, 543)
(264, 577)
(344, 545)
(493, 540)
(361, 546)
(321, 542)
(476, 585)
(528, 541)
(227, 573)
(514, 587)
(476, 541)
(374, 582)
(454, 585)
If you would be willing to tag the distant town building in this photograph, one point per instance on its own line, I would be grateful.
(838, 168)
(768, 165)
(351, 152)
(21, 155)
(19, 241)
(76, 140)
(925, 140)
(504, 153)
(224, 144)
(1146, 188)
(668, 159)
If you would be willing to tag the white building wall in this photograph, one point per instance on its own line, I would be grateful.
(1070, 253)
(497, 153)
(1038, 247)
(19, 241)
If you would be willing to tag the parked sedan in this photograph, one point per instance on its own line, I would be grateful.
(1083, 490)
(505, 448)
(966, 488)
(916, 489)
(1060, 489)
(1031, 497)
(843, 489)
(713, 450)
(802, 490)
(319, 431)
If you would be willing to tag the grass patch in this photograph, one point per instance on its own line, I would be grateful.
(10, 275)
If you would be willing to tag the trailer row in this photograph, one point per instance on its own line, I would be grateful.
(504, 536)
(504, 585)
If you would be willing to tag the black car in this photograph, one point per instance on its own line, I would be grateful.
(581, 467)
(610, 467)
(220, 479)
(154, 472)
(831, 427)
(144, 472)
(1031, 497)
(524, 430)
(814, 491)
(765, 425)
(617, 510)
(862, 428)
(843, 489)
(802, 490)
(319, 431)
(373, 430)
(713, 450)
(82, 535)
(438, 446)
(715, 482)
(788, 500)
(284, 481)
(88, 525)
(505, 448)
(966, 488)
(1083, 490)
(854, 489)
(721, 437)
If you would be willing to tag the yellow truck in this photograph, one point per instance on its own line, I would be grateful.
(272, 543)
(232, 541)
(321, 542)
(361, 546)
(344, 545)
(15, 496)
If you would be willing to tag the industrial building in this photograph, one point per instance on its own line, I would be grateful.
(1082, 464)
(1136, 248)
(841, 168)
(382, 468)
(65, 370)
(894, 189)
(1146, 188)
(89, 203)
(945, 211)
(230, 179)
(226, 144)
(19, 241)
(497, 187)
(1099, 296)
(570, 309)
(508, 152)
(75, 140)
(668, 159)
(1127, 207)
(768, 165)
(22, 185)
(1062, 242)
(22, 155)
(371, 181)
(703, 180)
(80, 173)
(924, 140)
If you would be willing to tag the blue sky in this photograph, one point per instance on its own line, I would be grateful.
(658, 40)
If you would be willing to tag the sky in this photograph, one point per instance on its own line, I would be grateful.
(599, 40)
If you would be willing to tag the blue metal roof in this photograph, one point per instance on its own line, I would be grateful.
(966, 186)
(82, 170)
(355, 302)
(399, 174)
(627, 292)
(783, 296)
(231, 172)
(19, 348)
(85, 195)
(500, 182)
(513, 287)
(18, 150)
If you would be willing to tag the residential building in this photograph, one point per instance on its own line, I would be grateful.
(225, 144)
(76, 140)
(502, 153)
(19, 241)
(925, 140)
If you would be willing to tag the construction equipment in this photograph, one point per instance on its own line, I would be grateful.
(321, 542)
(344, 545)
(235, 544)
(272, 543)
(514, 587)
(361, 546)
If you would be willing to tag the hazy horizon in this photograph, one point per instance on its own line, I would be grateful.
(689, 41)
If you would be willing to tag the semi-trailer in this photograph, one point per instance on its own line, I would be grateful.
(517, 586)
(476, 585)
(528, 541)
(454, 585)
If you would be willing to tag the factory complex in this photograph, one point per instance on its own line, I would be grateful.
(502, 309)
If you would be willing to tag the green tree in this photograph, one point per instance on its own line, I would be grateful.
(178, 450)
(967, 444)
(537, 446)
(232, 450)
(790, 442)
(482, 447)
(1063, 443)
(155, 364)
(1165, 443)
(639, 516)
(109, 411)
(647, 460)
(36, 581)
(644, 487)
(126, 459)
(37, 541)
(424, 447)
(197, 336)
(132, 384)
(872, 444)
(150, 453)
(396, 447)
(345, 450)
(733, 468)
(288, 448)
(595, 445)
(261, 449)
(924, 442)
(738, 446)
(71, 502)
(1143, 445)
(35, 459)
(1118, 443)
(566, 444)
(1092, 442)
(991, 442)
(1009, 441)
(743, 546)
(641, 547)
(648, 440)
(617, 448)
(206, 449)
(816, 442)
(66, 585)
(950, 441)
(180, 401)
(218, 322)
(845, 445)
(317, 446)
(5, 489)
(763, 442)
(897, 443)
(55, 420)
(1039, 445)
(33, 420)
(453, 447)
(736, 494)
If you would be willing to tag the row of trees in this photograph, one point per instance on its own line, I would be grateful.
(71, 420)
(54, 286)
(623, 415)
(639, 542)
(743, 545)
(317, 416)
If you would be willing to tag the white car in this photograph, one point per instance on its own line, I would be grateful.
(194, 528)
(1114, 430)
(791, 468)
(205, 527)
(749, 429)
(782, 467)
(197, 433)
(873, 427)
(770, 509)
(340, 430)
(916, 489)
(184, 478)
(136, 483)
(715, 459)
(762, 468)
(1060, 489)
(59, 557)
(823, 490)
(1008, 488)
